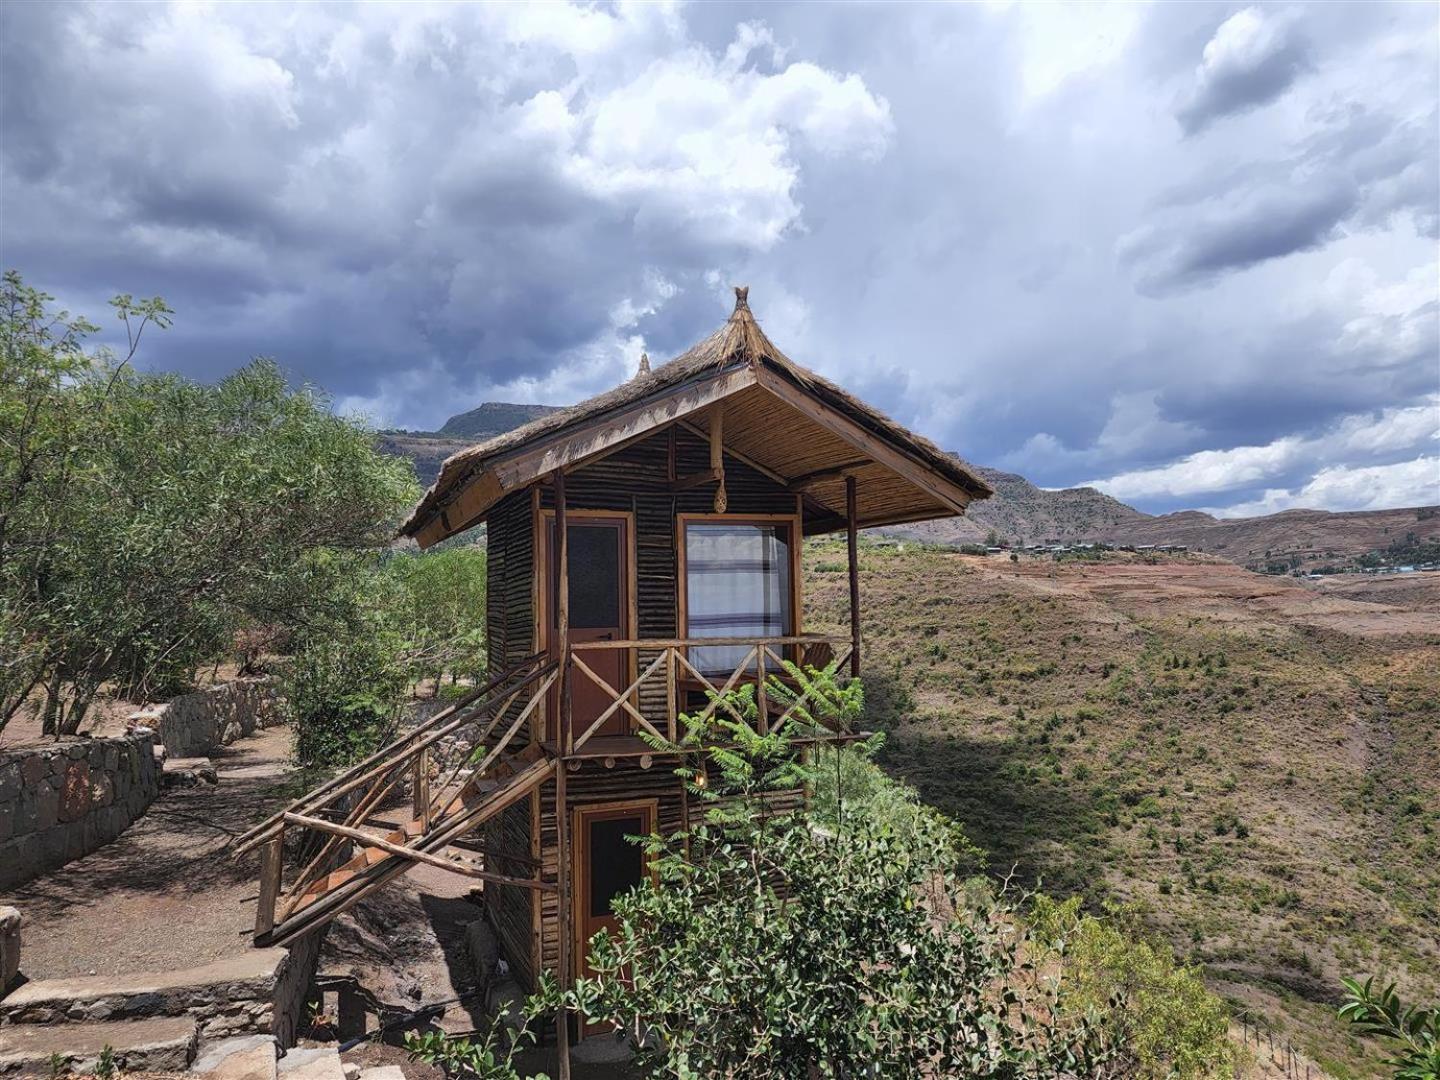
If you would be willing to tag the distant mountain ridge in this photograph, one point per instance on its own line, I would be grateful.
(1021, 512)
(491, 419)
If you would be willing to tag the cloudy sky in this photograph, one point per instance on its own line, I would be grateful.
(1185, 252)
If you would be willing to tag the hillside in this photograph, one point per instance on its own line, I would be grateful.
(427, 450)
(491, 419)
(1253, 761)
(1019, 512)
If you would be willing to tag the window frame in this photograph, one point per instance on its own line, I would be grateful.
(682, 591)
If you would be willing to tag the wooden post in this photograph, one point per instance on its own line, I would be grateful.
(851, 515)
(563, 741)
(270, 855)
(420, 789)
(562, 613)
(565, 912)
(671, 696)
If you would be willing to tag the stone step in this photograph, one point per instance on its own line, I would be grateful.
(249, 1057)
(228, 996)
(158, 1044)
(188, 772)
(320, 1063)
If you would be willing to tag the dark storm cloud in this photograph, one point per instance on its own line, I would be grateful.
(986, 220)
(1358, 170)
(1252, 59)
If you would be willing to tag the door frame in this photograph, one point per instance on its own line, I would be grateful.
(544, 517)
(579, 848)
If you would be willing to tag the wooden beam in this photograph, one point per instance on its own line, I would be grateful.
(879, 449)
(369, 840)
(717, 456)
(698, 479)
(744, 459)
(420, 787)
(565, 911)
(851, 546)
(562, 608)
(835, 472)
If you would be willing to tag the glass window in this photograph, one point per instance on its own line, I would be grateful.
(616, 865)
(595, 562)
(737, 584)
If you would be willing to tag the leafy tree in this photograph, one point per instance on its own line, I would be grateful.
(145, 519)
(1164, 1022)
(1413, 1030)
(344, 681)
(444, 612)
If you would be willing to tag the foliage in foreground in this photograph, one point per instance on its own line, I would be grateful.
(1412, 1030)
(490, 1058)
(146, 520)
(773, 948)
(1164, 1022)
(844, 941)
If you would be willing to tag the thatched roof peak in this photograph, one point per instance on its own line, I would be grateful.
(739, 343)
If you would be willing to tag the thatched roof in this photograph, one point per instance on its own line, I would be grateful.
(739, 345)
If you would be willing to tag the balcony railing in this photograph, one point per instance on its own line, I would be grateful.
(671, 666)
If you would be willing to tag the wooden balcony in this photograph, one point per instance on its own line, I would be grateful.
(665, 665)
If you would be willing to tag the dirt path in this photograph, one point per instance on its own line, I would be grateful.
(166, 894)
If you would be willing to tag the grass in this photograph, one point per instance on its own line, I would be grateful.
(1267, 790)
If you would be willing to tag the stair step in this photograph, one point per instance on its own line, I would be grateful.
(322, 1063)
(248, 1057)
(156, 1044)
(248, 976)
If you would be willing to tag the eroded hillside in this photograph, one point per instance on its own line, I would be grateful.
(1254, 762)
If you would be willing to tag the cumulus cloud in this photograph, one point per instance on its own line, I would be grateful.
(469, 191)
(1358, 171)
(984, 218)
(1211, 472)
(1343, 487)
(1253, 58)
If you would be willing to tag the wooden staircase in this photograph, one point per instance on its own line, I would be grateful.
(349, 858)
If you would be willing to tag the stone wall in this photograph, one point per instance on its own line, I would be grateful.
(10, 923)
(62, 801)
(192, 725)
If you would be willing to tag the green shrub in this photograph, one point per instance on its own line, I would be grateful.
(345, 681)
(770, 948)
(1413, 1031)
(1166, 1022)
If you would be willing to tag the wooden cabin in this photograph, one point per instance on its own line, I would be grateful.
(644, 551)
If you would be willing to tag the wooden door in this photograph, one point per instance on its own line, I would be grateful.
(607, 864)
(599, 611)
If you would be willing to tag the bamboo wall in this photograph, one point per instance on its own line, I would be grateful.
(635, 479)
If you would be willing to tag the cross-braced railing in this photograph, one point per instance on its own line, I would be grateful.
(340, 812)
(672, 666)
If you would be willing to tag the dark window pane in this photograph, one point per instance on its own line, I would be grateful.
(615, 863)
(594, 577)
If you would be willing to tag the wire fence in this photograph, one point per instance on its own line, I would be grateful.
(1278, 1050)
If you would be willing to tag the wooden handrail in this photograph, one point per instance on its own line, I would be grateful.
(674, 667)
(370, 840)
(397, 751)
(705, 643)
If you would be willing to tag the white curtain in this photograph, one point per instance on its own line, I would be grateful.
(737, 585)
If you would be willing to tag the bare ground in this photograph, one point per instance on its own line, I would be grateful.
(165, 895)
